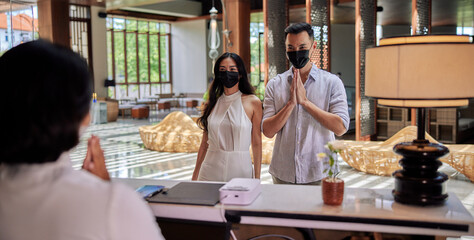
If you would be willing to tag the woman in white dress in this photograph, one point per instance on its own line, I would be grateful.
(231, 122)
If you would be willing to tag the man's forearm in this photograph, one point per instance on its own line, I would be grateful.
(275, 123)
(329, 120)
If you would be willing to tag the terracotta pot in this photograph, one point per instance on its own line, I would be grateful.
(333, 192)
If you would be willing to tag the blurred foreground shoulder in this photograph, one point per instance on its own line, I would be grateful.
(132, 216)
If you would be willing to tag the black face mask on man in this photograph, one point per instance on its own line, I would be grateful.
(298, 58)
(229, 79)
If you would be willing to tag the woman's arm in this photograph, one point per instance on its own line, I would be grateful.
(257, 135)
(201, 154)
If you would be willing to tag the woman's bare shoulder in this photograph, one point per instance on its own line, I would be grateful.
(251, 99)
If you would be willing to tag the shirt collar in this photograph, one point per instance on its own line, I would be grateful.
(313, 73)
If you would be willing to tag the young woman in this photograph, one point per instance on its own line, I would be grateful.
(231, 122)
(41, 195)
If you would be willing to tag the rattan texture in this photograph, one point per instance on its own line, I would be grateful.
(176, 133)
(378, 158)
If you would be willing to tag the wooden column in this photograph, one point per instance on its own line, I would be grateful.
(308, 11)
(420, 17)
(265, 39)
(53, 21)
(237, 20)
(420, 25)
(318, 15)
(275, 15)
(357, 80)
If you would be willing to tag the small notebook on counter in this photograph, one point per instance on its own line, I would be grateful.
(194, 193)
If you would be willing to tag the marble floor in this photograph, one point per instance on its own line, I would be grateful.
(126, 157)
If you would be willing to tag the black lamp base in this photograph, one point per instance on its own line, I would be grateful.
(419, 182)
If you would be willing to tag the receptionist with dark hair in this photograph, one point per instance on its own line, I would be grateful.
(45, 100)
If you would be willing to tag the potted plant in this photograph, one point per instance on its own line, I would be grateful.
(332, 186)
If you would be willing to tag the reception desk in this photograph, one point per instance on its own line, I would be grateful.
(363, 210)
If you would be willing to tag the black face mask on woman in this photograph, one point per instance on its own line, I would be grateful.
(298, 58)
(229, 79)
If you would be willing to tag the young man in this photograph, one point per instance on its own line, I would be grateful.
(305, 106)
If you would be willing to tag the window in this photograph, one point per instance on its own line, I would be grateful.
(257, 58)
(17, 26)
(138, 57)
(79, 29)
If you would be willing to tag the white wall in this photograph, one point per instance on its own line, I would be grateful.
(343, 52)
(99, 50)
(189, 56)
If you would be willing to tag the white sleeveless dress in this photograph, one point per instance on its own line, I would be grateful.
(229, 139)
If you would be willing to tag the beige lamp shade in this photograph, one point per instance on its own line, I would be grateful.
(421, 71)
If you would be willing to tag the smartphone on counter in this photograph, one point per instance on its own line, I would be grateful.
(149, 190)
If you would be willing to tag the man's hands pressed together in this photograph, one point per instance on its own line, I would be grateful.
(298, 92)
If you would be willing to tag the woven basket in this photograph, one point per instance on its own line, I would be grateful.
(378, 157)
(179, 133)
(461, 158)
(176, 133)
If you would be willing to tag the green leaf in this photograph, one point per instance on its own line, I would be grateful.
(330, 147)
(331, 161)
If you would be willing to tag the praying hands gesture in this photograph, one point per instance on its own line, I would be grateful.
(298, 92)
(329, 120)
(95, 160)
(297, 96)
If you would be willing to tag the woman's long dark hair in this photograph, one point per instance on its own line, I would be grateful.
(217, 87)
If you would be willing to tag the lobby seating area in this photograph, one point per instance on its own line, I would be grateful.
(158, 105)
(152, 66)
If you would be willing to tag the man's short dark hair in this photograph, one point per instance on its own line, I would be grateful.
(46, 95)
(296, 28)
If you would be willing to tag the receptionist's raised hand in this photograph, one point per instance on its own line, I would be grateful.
(95, 160)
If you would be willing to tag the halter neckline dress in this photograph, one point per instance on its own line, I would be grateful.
(229, 139)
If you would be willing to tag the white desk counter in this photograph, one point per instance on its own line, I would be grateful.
(365, 210)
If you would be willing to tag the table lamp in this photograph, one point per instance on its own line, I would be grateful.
(427, 71)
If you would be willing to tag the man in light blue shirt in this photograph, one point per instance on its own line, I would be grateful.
(305, 106)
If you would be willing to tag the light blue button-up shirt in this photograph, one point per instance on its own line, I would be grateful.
(302, 137)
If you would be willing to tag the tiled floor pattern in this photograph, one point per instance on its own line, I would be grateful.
(126, 157)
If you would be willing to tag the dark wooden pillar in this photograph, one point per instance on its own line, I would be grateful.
(53, 21)
(365, 31)
(421, 17)
(237, 20)
(318, 15)
(275, 13)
